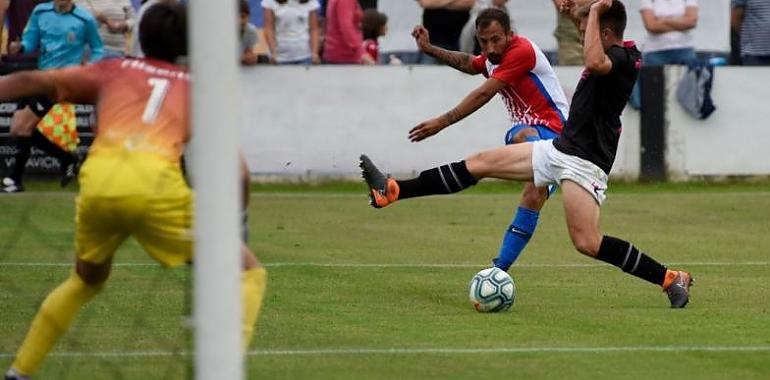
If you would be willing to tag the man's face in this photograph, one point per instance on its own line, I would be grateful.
(494, 41)
(605, 35)
(244, 19)
(62, 5)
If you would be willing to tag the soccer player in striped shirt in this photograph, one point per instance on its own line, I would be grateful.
(518, 70)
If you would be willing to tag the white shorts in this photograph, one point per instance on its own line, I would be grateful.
(551, 167)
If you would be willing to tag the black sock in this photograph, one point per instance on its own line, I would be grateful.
(39, 140)
(625, 256)
(23, 148)
(444, 179)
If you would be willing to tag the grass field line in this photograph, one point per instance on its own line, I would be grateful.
(514, 194)
(417, 351)
(409, 265)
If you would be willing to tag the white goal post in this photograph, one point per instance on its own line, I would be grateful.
(212, 27)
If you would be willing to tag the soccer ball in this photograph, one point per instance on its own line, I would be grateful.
(492, 290)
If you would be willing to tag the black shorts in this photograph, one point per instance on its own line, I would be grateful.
(40, 105)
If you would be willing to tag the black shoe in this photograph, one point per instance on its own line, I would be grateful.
(70, 171)
(10, 186)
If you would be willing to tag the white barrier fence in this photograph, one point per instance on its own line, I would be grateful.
(314, 122)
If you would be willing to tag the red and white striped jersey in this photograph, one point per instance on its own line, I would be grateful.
(534, 95)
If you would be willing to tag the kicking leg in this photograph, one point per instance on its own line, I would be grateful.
(56, 314)
(512, 162)
(582, 213)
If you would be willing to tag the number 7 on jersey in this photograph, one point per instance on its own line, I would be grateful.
(159, 90)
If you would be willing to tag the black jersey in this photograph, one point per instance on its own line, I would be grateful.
(593, 128)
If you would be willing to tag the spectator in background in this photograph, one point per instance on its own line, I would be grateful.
(18, 12)
(344, 40)
(468, 43)
(292, 31)
(60, 31)
(248, 34)
(116, 19)
(751, 18)
(402, 17)
(375, 25)
(444, 20)
(570, 50)
(668, 42)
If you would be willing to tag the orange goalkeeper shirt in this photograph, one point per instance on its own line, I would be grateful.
(141, 104)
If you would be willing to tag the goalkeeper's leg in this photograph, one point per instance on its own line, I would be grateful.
(57, 313)
(253, 283)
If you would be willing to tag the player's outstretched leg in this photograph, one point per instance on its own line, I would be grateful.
(445, 179)
(383, 190)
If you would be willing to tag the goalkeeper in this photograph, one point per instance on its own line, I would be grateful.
(131, 184)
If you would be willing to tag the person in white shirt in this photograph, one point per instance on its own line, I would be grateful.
(668, 41)
(292, 31)
(399, 43)
(116, 20)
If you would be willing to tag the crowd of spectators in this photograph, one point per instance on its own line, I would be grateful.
(341, 32)
(450, 22)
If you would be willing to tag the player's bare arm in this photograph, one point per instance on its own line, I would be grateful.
(596, 59)
(473, 101)
(27, 83)
(459, 60)
(77, 84)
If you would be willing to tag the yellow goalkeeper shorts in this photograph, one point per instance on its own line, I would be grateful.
(137, 195)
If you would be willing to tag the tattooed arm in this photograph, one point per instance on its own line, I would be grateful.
(459, 60)
(472, 102)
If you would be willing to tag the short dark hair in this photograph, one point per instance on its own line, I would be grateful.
(614, 18)
(163, 31)
(245, 7)
(487, 16)
(372, 23)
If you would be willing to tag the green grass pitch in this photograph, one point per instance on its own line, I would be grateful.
(358, 293)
